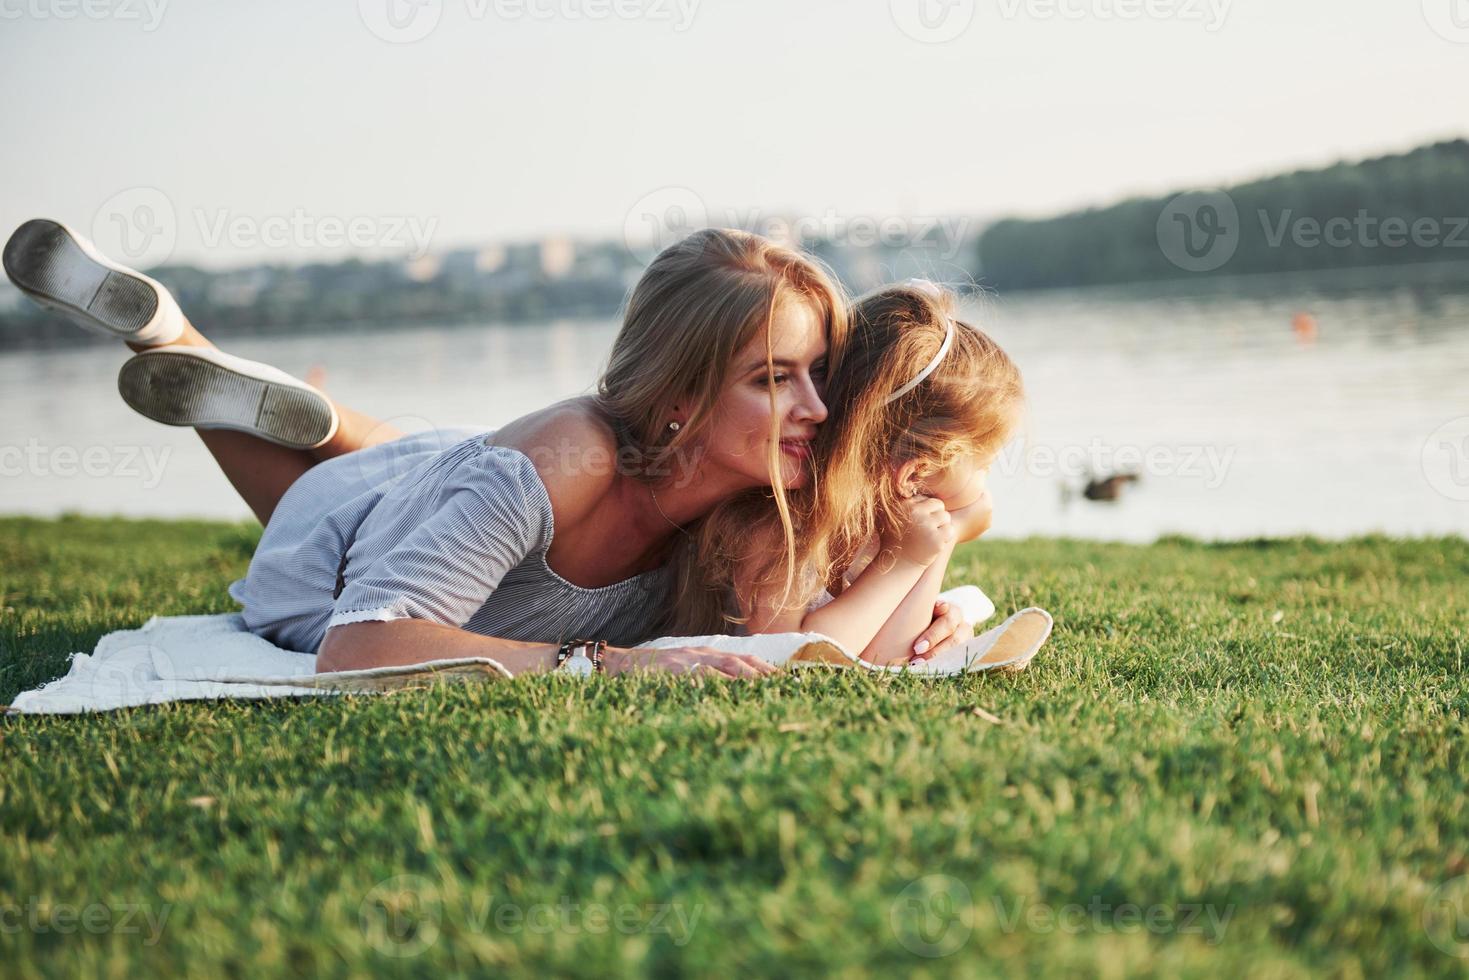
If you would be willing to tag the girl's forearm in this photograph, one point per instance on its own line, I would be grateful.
(894, 640)
(855, 617)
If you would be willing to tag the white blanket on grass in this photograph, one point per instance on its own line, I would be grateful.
(185, 658)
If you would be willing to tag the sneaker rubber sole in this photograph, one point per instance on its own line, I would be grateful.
(208, 389)
(61, 270)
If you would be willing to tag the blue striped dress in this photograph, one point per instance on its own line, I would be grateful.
(438, 526)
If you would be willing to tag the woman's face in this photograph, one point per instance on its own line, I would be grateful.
(738, 441)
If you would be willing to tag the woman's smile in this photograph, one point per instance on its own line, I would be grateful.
(799, 448)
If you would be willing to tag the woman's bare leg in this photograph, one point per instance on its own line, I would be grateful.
(261, 471)
(354, 431)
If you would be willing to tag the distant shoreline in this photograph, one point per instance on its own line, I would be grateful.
(54, 333)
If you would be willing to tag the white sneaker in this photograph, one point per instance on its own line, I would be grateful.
(1007, 649)
(209, 389)
(61, 270)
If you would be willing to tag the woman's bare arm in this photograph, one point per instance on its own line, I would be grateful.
(401, 642)
(398, 642)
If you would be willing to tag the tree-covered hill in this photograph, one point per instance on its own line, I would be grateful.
(1407, 208)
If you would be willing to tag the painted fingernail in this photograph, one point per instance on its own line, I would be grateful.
(920, 647)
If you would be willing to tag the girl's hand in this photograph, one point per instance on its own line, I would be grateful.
(928, 529)
(695, 661)
(947, 629)
(974, 519)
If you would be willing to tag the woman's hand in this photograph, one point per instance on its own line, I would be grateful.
(696, 661)
(927, 530)
(948, 628)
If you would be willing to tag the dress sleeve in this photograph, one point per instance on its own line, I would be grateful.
(435, 547)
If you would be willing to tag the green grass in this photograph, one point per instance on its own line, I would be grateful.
(1260, 745)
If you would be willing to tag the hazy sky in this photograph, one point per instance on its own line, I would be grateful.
(257, 130)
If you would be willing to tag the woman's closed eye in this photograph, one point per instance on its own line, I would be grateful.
(817, 375)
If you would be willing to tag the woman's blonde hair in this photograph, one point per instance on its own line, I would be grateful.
(971, 403)
(696, 305)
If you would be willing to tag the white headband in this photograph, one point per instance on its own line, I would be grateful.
(924, 285)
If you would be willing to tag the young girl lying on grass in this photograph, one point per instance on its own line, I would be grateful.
(921, 405)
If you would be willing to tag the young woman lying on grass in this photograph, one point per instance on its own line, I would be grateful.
(383, 549)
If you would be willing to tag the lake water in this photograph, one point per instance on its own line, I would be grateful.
(1239, 423)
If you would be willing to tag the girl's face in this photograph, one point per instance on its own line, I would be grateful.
(959, 484)
(739, 439)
